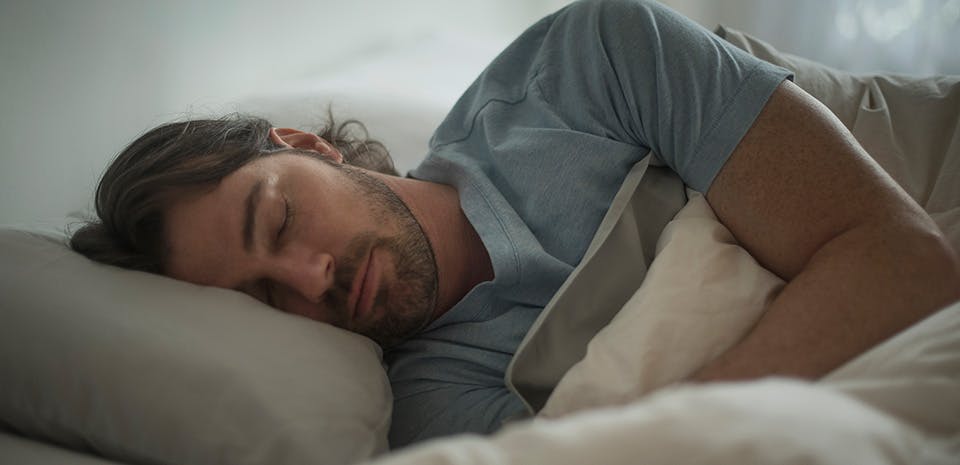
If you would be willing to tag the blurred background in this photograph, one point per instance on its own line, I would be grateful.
(80, 79)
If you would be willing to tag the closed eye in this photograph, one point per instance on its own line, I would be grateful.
(288, 214)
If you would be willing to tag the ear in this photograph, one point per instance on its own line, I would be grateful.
(296, 139)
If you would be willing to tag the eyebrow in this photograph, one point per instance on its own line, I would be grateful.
(249, 220)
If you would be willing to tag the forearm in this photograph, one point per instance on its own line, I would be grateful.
(858, 289)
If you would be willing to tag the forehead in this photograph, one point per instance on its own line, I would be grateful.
(201, 228)
(204, 229)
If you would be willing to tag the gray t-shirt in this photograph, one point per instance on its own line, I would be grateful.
(537, 147)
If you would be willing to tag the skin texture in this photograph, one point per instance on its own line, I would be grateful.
(295, 261)
(862, 259)
(321, 233)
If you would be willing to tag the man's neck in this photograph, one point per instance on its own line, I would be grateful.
(462, 260)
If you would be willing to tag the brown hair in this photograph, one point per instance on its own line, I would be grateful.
(176, 158)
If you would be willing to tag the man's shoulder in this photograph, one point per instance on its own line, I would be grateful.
(562, 49)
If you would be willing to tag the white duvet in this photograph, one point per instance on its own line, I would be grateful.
(768, 422)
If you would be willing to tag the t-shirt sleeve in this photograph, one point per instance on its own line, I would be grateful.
(449, 408)
(639, 72)
(445, 385)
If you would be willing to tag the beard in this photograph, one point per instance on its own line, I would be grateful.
(405, 305)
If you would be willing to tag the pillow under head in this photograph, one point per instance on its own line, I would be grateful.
(146, 369)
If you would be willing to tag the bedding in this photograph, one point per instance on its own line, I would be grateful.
(22, 451)
(388, 91)
(624, 401)
(145, 369)
(181, 374)
(898, 403)
(676, 321)
(771, 421)
(142, 369)
(911, 124)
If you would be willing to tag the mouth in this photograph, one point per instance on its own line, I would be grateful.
(363, 289)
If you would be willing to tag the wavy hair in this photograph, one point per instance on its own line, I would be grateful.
(178, 158)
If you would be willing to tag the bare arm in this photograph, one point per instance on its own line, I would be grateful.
(862, 260)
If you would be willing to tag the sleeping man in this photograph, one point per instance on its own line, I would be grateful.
(448, 267)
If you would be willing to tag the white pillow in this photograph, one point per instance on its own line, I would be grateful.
(403, 125)
(146, 369)
(702, 293)
(398, 92)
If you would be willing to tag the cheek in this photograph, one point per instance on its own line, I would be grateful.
(336, 224)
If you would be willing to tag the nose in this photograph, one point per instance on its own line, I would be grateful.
(309, 274)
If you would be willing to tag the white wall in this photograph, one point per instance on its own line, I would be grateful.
(79, 79)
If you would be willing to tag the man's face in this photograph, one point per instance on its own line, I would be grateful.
(325, 241)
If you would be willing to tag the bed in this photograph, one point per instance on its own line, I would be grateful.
(101, 365)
